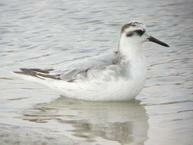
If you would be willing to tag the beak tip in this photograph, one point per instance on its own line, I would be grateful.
(153, 39)
(167, 45)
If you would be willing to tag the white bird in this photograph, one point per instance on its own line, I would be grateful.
(115, 76)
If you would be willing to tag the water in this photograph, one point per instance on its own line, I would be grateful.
(55, 33)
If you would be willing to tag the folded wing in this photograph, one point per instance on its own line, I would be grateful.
(73, 71)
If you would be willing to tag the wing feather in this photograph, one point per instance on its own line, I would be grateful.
(75, 70)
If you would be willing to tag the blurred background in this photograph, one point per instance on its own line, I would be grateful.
(56, 33)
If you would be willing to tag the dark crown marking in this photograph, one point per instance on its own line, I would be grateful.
(131, 24)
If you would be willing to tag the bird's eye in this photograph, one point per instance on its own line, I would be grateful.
(129, 34)
(140, 32)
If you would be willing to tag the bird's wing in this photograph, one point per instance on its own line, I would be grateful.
(75, 70)
(80, 69)
(39, 73)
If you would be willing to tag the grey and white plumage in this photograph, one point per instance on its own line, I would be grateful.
(116, 75)
(76, 70)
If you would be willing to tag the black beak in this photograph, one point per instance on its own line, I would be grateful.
(152, 39)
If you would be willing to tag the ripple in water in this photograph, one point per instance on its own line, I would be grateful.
(54, 34)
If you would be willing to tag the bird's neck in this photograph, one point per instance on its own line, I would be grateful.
(130, 51)
(132, 54)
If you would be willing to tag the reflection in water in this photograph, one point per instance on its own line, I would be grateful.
(56, 33)
(122, 122)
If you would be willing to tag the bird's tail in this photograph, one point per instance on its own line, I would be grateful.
(38, 73)
(41, 76)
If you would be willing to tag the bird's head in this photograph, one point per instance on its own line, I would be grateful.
(134, 33)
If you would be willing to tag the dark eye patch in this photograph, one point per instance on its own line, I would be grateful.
(140, 32)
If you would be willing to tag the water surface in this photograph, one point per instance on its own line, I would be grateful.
(55, 33)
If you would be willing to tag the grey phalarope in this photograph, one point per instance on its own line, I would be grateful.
(115, 76)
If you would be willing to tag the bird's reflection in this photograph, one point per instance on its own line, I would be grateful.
(121, 122)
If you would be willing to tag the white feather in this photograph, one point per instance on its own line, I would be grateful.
(115, 82)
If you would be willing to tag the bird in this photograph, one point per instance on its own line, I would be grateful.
(118, 75)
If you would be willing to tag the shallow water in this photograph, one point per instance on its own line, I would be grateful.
(55, 33)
